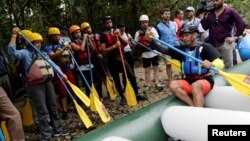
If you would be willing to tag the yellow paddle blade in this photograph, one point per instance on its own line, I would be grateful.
(27, 116)
(79, 93)
(175, 64)
(92, 100)
(5, 131)
(83, 116)
(111, 89)
(130, 94)
(237, 81)
(102, 111)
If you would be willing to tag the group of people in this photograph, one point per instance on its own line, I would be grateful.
(207, 38)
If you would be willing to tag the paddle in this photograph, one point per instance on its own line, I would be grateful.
(27, 116)
(5, 131)
(175, 63)
(84, 98)
(109, 84)
(130, 93)
(236, 80)
(95, 103)
(83, 116)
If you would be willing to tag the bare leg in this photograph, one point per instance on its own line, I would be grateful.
(198, 97)
(175, 87)
(156, 74)
(169, 71)
(147, 76)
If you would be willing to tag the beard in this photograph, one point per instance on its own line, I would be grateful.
(218, 6)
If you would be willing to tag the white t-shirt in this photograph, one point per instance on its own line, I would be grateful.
(126, 36)
(148, 54)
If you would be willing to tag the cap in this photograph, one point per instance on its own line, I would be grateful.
(190, 8)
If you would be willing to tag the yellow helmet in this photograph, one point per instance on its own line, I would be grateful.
(27, 33)
(73, 28)
(36, 37)
(84, 25)
(54, 31)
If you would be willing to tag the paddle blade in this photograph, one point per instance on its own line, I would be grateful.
(27, 115)
(79, 93)
(238, 82)
(102, 111)
(92, 100)
(111, 88)
(176, 65)
(83, 116)
(5, 131)
(130, 95)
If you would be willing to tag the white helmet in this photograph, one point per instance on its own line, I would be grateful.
(144, 18)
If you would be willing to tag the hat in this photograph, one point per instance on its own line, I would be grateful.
(190, 8)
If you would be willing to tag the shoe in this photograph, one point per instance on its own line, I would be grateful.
(62, 133)
(140, 97)
(159, 86)
(146, 90)
(123, 101)
(65, 115)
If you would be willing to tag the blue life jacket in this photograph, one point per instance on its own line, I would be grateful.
(168, 33)
(191, 67)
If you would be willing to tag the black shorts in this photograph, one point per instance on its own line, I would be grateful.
(148, 61)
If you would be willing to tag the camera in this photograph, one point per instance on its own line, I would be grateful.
(206, 5)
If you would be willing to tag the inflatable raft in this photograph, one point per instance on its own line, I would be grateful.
(145, 124)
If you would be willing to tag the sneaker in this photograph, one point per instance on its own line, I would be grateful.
(146, 90)
(62, 133)
(140, 97)
(159, 86)
(123, 101)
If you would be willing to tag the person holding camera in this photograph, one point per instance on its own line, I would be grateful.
(220, 21)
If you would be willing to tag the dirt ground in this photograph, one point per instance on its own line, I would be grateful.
(75, 127)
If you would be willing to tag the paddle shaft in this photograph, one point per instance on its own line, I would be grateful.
(182, 52)
(90, 64)
(43, 56)
(123, 63)
(151, 50)
(80, 71)
(71, 96)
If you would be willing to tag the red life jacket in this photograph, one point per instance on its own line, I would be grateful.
(97, 44)
(143, 40)
(111, 40)
(82, 56)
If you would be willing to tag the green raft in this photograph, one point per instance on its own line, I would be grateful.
(145, 124)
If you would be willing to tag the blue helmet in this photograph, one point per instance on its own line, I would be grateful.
(244, 48)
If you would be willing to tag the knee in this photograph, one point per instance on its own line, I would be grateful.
(196, 85)
(173, 85)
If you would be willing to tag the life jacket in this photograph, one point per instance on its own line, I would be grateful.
(39, 71)
(190, 67)
(111, 40)
(82, 56)
(64, 60)
(143, 40)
